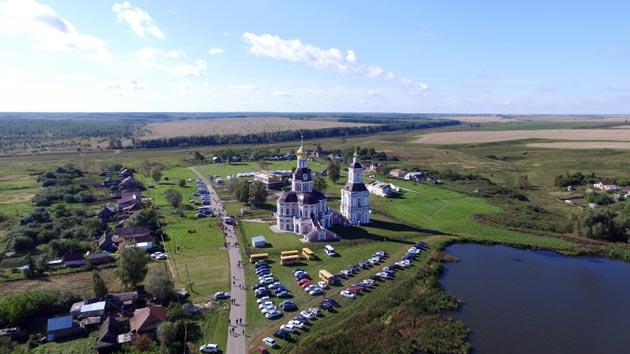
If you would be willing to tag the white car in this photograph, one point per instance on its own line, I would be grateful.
(273, 314)
(347, 294)
(308, 315)
(315, 311)
(266, 310)
(266, 304)
(322, 284)
(270, 342)
(368, 282)
(288, 327)
(263, 300)
(158, 255)
(315, 291)
(209, 348)
(310, 287)
(296, 324)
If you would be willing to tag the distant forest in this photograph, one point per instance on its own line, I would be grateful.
(289, 135)
(45, 130)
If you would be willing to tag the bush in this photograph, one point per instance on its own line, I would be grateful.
(20, 309)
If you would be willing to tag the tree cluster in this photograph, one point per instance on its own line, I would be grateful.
(572, 179)
(19, 309)
(250, 192)
(604, 224)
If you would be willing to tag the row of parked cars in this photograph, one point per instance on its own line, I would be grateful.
(268, 286)
(304, 281)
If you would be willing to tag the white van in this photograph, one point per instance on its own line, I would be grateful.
(329, 250)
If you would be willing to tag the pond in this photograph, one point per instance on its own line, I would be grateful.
(523, 301)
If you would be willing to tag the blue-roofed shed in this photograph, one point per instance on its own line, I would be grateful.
(59, 327)
(259, 241)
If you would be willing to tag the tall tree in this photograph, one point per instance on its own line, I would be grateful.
(320, 183)
(156, 174)
(257, 193)
(166, 333)
(334, 171)
(159, 284)
(241, 192)
(98, 285)
(132, 266)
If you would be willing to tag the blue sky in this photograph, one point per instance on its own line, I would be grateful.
(357, 56)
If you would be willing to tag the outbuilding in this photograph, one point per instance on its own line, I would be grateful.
(259, 241)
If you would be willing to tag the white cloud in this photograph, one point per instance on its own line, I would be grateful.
(294, 50)
(281, 94)
(176, 54)
(215, 51)
(244, 87)
(198, 68)
(414, 88)
(164, 61)
(126, 85)
(139, 20)
(49, 31)
(372, 93)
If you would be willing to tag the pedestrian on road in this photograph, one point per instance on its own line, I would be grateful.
(243, 331)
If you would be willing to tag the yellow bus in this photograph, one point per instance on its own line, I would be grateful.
(289, 253)
(308, 253)
(325, 276)
(291, 259)
(258, 257)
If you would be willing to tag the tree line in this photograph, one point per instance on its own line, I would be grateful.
(289, 135)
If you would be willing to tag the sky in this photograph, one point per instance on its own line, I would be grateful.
(418, 56)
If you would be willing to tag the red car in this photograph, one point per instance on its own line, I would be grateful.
(262, 350)
(302, 281)
(353, 289)
(306, 284)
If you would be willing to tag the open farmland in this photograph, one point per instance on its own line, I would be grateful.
(240, 126)
(479, 137)
(582, 145)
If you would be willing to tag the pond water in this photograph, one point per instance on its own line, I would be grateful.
(522, 301)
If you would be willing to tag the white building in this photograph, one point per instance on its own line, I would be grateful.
(380, 189)
(303, 209)
(355, 197)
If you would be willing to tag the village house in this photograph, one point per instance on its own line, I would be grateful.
(74, 259)
(146, 320)
(417, 176)
(397, 173)
(380, 189)
(130, 200)
(98, 258)
(111, 328)
(607, 186)
(270, 180)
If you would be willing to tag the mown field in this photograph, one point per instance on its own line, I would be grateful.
(239, 126)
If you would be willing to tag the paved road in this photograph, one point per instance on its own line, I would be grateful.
(237, 341)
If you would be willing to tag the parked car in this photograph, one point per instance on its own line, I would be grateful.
(347, 294)
(322, 284)
(263, 299)
(270, 342)
(308, 315)
(332, 302)
(288, 327)
(262, 350)
(257, 286)
(221, 295)
(209, 348)
(282, 334)
(273, 314)
(284, 295)
(297, 324)
(326, 306)
(316, 291)
(288, 305)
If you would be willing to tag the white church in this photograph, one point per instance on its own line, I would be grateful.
(303, 209)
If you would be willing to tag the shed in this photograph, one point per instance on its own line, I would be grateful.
(59, 327)
(92, 310)
(259, 241)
